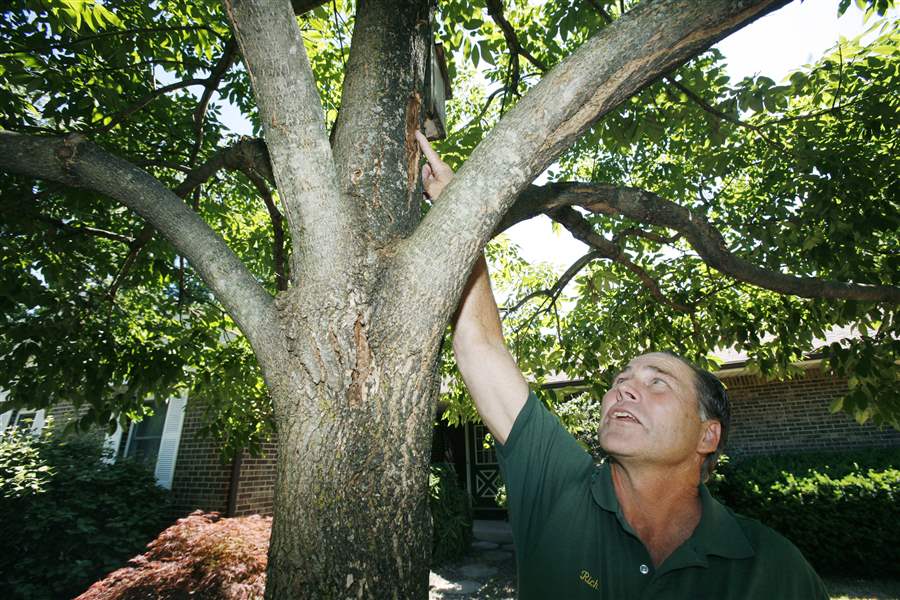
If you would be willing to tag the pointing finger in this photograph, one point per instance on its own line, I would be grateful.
(430, 155)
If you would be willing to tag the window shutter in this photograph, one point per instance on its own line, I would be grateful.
(111, 444)
(4, 420)
(38, 423)
(168, 445)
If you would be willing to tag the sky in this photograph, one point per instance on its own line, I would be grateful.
(774, 45)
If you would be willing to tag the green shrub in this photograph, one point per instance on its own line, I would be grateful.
(839, 509)
(69, 517)
(451, 515)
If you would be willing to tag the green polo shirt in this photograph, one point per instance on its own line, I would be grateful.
(572, 540)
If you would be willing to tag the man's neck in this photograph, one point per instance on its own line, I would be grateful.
(662, 506)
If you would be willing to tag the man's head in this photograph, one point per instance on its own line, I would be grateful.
(662, 409)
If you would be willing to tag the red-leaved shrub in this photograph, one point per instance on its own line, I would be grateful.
(202, 556)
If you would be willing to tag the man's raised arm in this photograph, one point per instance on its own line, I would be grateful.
(491, 375)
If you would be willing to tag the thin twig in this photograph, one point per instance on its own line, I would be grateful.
(127, 112)
(581, 230)
(86, 230)
(495, 10)
(602, 10)
(556, 289)
(229, 52)
(278, 259)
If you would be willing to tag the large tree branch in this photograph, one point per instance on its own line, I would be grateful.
(79, 163)
(617, 62)
(381, 108)
(320, 220)
(648, 208)
(582, 230)
(248, 156)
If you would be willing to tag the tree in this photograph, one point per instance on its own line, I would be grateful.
(341, 280)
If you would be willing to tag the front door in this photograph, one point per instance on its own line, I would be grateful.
(484, 472)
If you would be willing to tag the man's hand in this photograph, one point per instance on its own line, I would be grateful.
(435, 172)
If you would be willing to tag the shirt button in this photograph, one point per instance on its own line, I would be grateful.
(644, 569)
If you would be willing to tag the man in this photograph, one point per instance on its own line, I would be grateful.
(642, 525)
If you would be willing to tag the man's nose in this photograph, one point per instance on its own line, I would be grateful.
(626, 391)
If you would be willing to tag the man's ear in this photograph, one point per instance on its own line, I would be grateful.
(712, 433)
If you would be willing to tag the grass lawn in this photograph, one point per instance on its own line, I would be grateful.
(840, 588)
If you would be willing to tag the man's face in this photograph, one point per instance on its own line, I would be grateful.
(651, 413)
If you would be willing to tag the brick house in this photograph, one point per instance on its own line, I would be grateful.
(155, 440)
(767, 417)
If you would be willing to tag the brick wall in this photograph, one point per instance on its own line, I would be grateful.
(767, 417)
(257, 484)
(201, 479)
(790, 416)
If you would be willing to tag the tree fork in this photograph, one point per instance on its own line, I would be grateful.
(618, 61)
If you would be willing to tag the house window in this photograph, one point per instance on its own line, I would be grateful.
(23, 420)
(145, 436)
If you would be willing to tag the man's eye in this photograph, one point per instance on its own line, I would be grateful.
(657, 380)
(620, 380)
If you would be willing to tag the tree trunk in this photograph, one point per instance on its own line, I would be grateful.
(354, 433)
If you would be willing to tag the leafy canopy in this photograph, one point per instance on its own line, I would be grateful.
(800, 176)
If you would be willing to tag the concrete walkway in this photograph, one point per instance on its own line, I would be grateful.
(487, 571)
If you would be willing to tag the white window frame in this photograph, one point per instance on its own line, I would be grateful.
(164, 469)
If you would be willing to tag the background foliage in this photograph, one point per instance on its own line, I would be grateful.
(840, 509)
(451, 515)
(69, 516)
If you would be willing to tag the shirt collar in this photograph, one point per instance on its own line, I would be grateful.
(718, 532)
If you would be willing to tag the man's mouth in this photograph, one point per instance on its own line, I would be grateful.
(623, 416)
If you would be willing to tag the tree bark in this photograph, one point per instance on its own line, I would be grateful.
(381, 107)
(354, 430)
(321, 221)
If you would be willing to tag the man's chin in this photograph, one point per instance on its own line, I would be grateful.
(614, 443)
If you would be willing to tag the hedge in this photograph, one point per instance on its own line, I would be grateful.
(840, 509)
(451, 515)
(68, 516)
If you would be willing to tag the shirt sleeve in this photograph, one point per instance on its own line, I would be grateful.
(540, 462)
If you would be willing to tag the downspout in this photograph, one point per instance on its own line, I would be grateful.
(234, 484)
